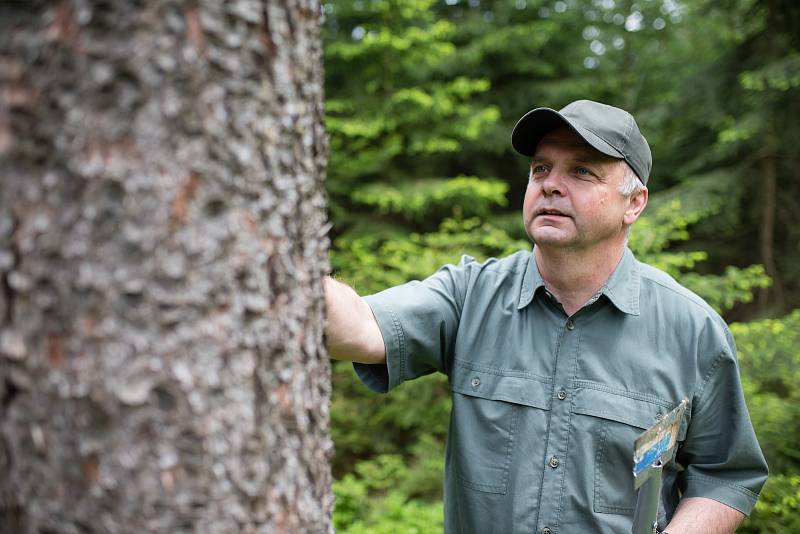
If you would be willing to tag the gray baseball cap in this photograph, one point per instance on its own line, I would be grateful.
(612, 131)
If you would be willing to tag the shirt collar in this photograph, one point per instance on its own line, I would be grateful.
(531, 281)
(621, 288)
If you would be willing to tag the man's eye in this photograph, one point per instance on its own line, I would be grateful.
(537, 169)
(583, 171)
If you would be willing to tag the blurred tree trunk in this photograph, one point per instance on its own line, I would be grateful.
(162, 244)
(766, 230)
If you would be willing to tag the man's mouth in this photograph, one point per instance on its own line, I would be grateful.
(551, 212)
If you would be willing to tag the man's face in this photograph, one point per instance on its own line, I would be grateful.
(573, 199)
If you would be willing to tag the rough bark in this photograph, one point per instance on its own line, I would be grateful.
(162, 242)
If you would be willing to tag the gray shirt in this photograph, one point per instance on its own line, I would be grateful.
(546, 407)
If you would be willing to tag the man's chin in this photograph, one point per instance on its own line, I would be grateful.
(549, 236)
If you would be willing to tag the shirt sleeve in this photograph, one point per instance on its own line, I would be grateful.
(419, 322)
(721, 455)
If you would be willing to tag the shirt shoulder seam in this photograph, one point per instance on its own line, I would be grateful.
(685, 294)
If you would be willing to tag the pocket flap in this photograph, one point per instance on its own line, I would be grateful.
(631, 410)
(484, 382)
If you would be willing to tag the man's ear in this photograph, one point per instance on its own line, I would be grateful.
(636, 205)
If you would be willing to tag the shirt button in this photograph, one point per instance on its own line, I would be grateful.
(476, 382)
(546, 530)
(570, 324)
(554, 462)
(562, 394)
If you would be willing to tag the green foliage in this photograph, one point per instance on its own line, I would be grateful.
(732, 287)
(668, 223)
(778, 509)
(769, 355)
(373, 263)
(463, 195)
(768, 350)
(364, 424)
(659, 228)
(738, 112)
(781, 75)
(391, 104)
(374, 498)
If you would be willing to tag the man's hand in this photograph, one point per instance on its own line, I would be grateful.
(351, 332)
(699, 515)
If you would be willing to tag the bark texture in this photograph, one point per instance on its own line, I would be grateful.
(162, 243)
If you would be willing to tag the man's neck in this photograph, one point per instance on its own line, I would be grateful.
(575, 276)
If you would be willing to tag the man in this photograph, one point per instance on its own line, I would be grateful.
(558, 358)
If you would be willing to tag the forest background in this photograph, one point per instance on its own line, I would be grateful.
(421, 98)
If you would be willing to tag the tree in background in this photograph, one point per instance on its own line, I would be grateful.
(162, 223)
(413, 187)
(737, 120)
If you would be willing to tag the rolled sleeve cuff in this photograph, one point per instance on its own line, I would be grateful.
(737, 497)
(383, 377)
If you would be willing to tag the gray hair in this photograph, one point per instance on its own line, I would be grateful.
(631, 185)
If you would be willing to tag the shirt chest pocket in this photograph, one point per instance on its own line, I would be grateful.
(491, 408)
(615, 421)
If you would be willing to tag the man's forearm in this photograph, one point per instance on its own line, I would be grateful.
(699, 515)
(351, 332)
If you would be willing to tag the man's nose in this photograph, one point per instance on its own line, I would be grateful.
(553, 182)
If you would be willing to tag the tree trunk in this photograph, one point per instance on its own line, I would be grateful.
(162, 243)
(766, 228)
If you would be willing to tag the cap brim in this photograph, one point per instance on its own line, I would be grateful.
(535, 124)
